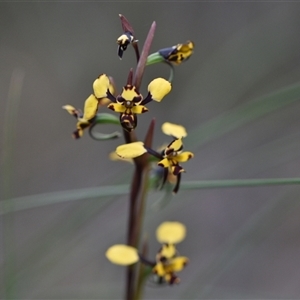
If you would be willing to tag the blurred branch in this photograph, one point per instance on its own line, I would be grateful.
(39, 200)
(243, 114)
(7, 206)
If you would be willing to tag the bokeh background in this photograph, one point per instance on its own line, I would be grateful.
(243, 243)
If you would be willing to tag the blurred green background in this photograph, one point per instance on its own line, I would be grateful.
(243, 243)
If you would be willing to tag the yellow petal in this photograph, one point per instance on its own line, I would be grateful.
(174, 130)
(130, 92)
(100, 86)
(170, 232)
(115, 157)
(159, 88)
(104, 101)
(184, 156)
(159, 269)
(139, 109)
(90, 107)
(125, 39)
(117, 107)
(165, 163)
(131, 150)
(176, 145)
(167, 250)
(122, 255)
(178, 263)
(69, 108)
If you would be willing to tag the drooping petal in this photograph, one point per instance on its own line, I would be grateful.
(81, 125)
(177, 169)
(131, 150)
(90, 107)
(177, 185)
(115, 157)
(174, 130)
(178, 263)
(122, 255)
(101, 85)
(139, 109)
(117, 107)
(165, 163)
(184, 156)
(171, 232)
(73, 111)
(159, 88)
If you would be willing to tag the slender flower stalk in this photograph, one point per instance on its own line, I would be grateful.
(128, 104)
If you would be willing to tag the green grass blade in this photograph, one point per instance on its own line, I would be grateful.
(243, 114)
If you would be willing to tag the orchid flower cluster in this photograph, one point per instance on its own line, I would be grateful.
(128, 104)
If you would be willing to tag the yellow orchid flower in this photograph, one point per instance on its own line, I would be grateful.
(130, 102)
(167, 261)
(123, 41)
(169, 158)
(101, 86)
(178, 53)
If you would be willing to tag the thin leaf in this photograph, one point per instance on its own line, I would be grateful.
(243, 114)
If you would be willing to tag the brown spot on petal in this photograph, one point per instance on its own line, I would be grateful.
(111, 106)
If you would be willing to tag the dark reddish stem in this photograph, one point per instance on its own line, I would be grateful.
(138, 183)
(143, 58)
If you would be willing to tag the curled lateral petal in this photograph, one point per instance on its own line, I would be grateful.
(101, 85)
(178, 263)
(131, 150)
(122, 255)
(171, 232)
(117, 107)
(159, 269)
(139, 109)
(165, 163)
(184, 156)
(159, 88)
(174, 130)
